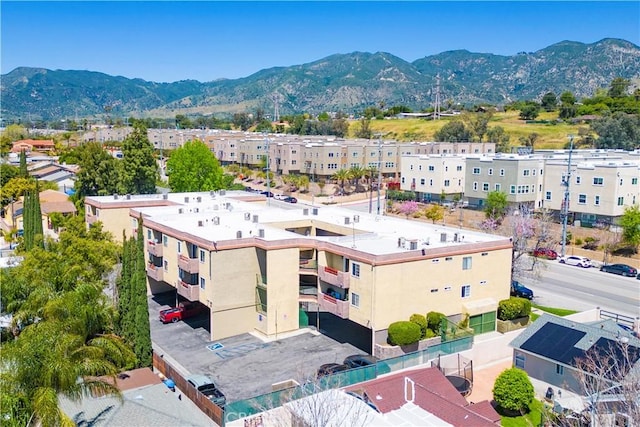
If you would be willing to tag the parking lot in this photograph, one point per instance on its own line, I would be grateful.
(242, 366)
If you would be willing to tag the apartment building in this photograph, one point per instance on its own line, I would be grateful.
(431, 176)
(599, 189)
(256, 266)
(520, 177)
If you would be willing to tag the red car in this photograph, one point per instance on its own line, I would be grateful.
(545, 253)
(183, 311)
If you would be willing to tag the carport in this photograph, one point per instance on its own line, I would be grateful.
(341, 330)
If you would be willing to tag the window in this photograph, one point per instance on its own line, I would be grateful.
(202, 283)
(420, 167)
(490, 172)
(179, 247)
(411, 167)
(475, 186)
(501, 172)
(431, 168)
(355, 269)
(434, 290)
(165, 241)
(526, 172)
(459, 168)
(596, 200)
(431, 182)
(355, 300)
(421, 181)
(634, 181)
(466, 263)
(476, 171)
(446, 182)
(485, 186)
(447, 288)
(165, 264)
(621, 181)
(559, 369)
(465, 291)
(201, 255)
(402, 179)
(520, 359)
(512, 189)
(533, 172)
(148, 234)
(497, 187)
(620, 201)
(547, 195)
(578, 180)
(582, 199)
(598, 181)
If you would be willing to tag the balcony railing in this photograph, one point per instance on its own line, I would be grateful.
(189, 291)
(261, 280)
(155, 272)
(154, 248)
(191, 265)
(334, 277)
(332, 305)
(309, 265)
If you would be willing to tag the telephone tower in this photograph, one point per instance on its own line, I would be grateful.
(436, 110)
(276, 109)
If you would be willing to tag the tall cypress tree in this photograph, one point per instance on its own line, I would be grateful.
(24, 173)
(142, 347)
(32, 219)
(125, 307)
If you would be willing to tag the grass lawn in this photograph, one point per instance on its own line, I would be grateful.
(532, 419)
(557, 311)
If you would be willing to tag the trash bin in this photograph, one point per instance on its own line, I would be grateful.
(170, 384)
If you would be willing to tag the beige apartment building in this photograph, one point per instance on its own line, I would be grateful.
(520, 177)
(431, 176)
(259, 267)
(599, 189)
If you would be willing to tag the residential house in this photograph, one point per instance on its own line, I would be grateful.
(50, 201)
(433, 176)
(33, 145)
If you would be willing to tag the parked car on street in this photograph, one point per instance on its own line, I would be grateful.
(205, 385)
(331, 368)
(267, 193)
(360, 360)
(576, 260)
(184, 310)
(621, 269)
(520, 290)
(545, 253)
(290, 199)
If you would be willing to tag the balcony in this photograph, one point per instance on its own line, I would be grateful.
(155, 272)
(308, 266)
(154, 248)
(91, 219)
(190, 265)
(332, 305)
(189, 291)
(334, 277)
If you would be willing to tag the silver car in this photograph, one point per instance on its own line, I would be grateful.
(579, 261)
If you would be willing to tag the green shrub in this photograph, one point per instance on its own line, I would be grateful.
(513, 308)
(433, 321)
(578, 241)
(429, 334)
(421, 321)
(513, 390)
(404, 333)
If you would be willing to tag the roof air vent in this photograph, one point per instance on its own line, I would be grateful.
(239, 234)
(216, 220)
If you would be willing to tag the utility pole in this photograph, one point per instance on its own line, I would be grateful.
(564, 213)
(268, 183)
(436, 110)
(379, 169)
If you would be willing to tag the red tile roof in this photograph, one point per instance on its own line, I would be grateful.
(433, 393)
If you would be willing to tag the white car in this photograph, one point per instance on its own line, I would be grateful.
(579, 261)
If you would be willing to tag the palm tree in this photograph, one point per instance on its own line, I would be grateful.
(356, 172)
(342, 175)
(303, 182)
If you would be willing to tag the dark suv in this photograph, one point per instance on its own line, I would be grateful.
(521, 291)
(621, 269)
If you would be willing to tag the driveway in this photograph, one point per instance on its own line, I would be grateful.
(242, 366)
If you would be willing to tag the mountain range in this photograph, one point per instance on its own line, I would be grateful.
(342, 82)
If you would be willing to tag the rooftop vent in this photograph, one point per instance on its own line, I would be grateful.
(255, 218)
(261, 233)
(413, 245)
(128, 197)
(314, 211)
(180, 210)
(200, 223)
(305, 211)
(165, 196)
(356, 218)
(455, 237)
(199, 199)
(216, 220)
(347, 220)
(247, 216)
(186, 199)
(196, 210)
(115, 197)
(238, 234)
(212, 193)
(443, 237)
(223, 192)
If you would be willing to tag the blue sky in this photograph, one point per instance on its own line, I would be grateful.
(169, 41)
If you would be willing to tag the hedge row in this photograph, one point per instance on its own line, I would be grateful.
(418, 327)
(514, 308)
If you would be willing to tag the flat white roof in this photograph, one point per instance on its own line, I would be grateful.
(220, 218)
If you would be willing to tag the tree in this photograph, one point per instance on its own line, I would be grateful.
(242, 121)
(409, 208)
(496, 206)
(478, 123)
(7, 172)
(567, 98)
(529, 111)
(139, 169)
(356, 173)
(193, 167)
(98, 174)
(498, 136)
(364, 129)
(549, 101)
(454, 131)
(619, 130)
(434, 213)
(32, 220)
(513, 390)
(618, 87)
(142, 343)
(530, 140)
(9, 135)
(342, 175)
(630, 223)
(24, 172)
(321, 184)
